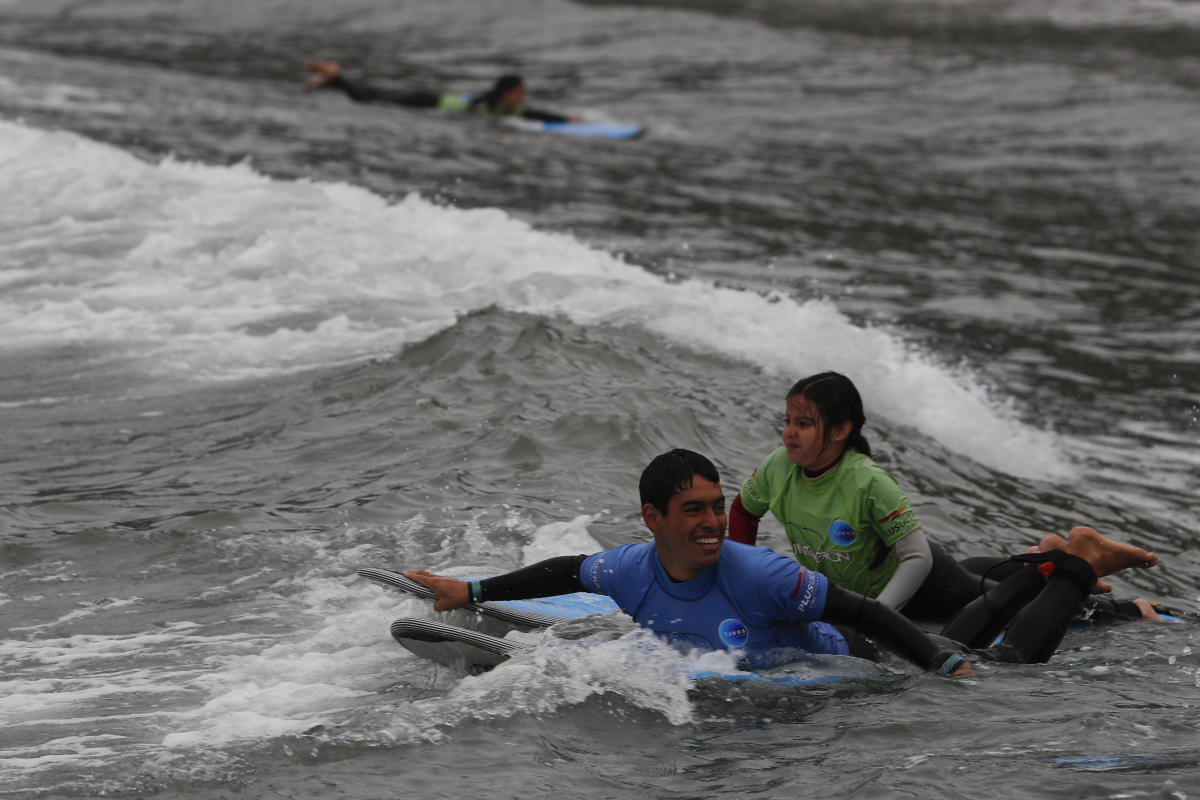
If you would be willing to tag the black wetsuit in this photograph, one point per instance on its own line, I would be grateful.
(1032, 606)
(951, 585)
(363, 92)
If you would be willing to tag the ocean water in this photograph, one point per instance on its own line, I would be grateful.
(252, 339)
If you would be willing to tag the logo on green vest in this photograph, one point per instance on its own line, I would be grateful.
(842, 533)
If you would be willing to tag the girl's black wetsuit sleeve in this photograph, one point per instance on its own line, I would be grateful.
(544, 116)
(885, 625)
(553, 576)
(362, 92)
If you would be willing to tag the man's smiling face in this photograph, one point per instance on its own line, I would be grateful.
(689, 536)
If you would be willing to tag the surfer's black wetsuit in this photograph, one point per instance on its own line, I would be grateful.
(363, 92)
(952, 585)
(1032, 606)
(985, 571)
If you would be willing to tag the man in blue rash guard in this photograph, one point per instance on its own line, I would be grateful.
(696, 589)
(505, 98)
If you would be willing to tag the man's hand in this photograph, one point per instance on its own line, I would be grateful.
(452, 593)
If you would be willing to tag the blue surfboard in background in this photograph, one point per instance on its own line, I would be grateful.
(602, 130)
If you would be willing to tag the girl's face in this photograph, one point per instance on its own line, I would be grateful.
(809, 445)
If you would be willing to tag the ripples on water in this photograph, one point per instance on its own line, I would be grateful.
(232, 377)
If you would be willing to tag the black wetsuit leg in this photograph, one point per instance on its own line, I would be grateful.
(1097, 609)
(947, 589)
(981, 620)
(995, 568)
(1032, 610)
(362, 92)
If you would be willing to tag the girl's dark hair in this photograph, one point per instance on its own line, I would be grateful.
(503, 84)
(837, 401)
(670, 473)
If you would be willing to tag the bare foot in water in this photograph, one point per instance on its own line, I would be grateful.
(1140, 558)
(1105, 555)
(325, 72)
(1052, 541)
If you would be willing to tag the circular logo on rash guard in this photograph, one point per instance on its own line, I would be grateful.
(733, 633)
(842, 533)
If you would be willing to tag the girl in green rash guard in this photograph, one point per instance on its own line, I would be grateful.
(505, 98)
(846, 517)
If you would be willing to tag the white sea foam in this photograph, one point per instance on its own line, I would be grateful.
(200, 273)
(188, 686)
(561, 538)
(637, 666)
(291, 685)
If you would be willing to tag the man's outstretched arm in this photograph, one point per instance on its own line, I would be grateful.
(559, 575)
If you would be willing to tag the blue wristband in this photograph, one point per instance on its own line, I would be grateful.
(950, 664)
(474, 590)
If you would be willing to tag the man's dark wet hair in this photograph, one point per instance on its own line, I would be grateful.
(672, 472)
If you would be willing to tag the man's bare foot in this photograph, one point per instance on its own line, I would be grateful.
(325, 72)
(1105, 555)
(1052, 541)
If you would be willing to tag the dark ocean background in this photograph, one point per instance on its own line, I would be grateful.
(252, 339)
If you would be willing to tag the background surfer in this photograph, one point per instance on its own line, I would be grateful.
(505, 98)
